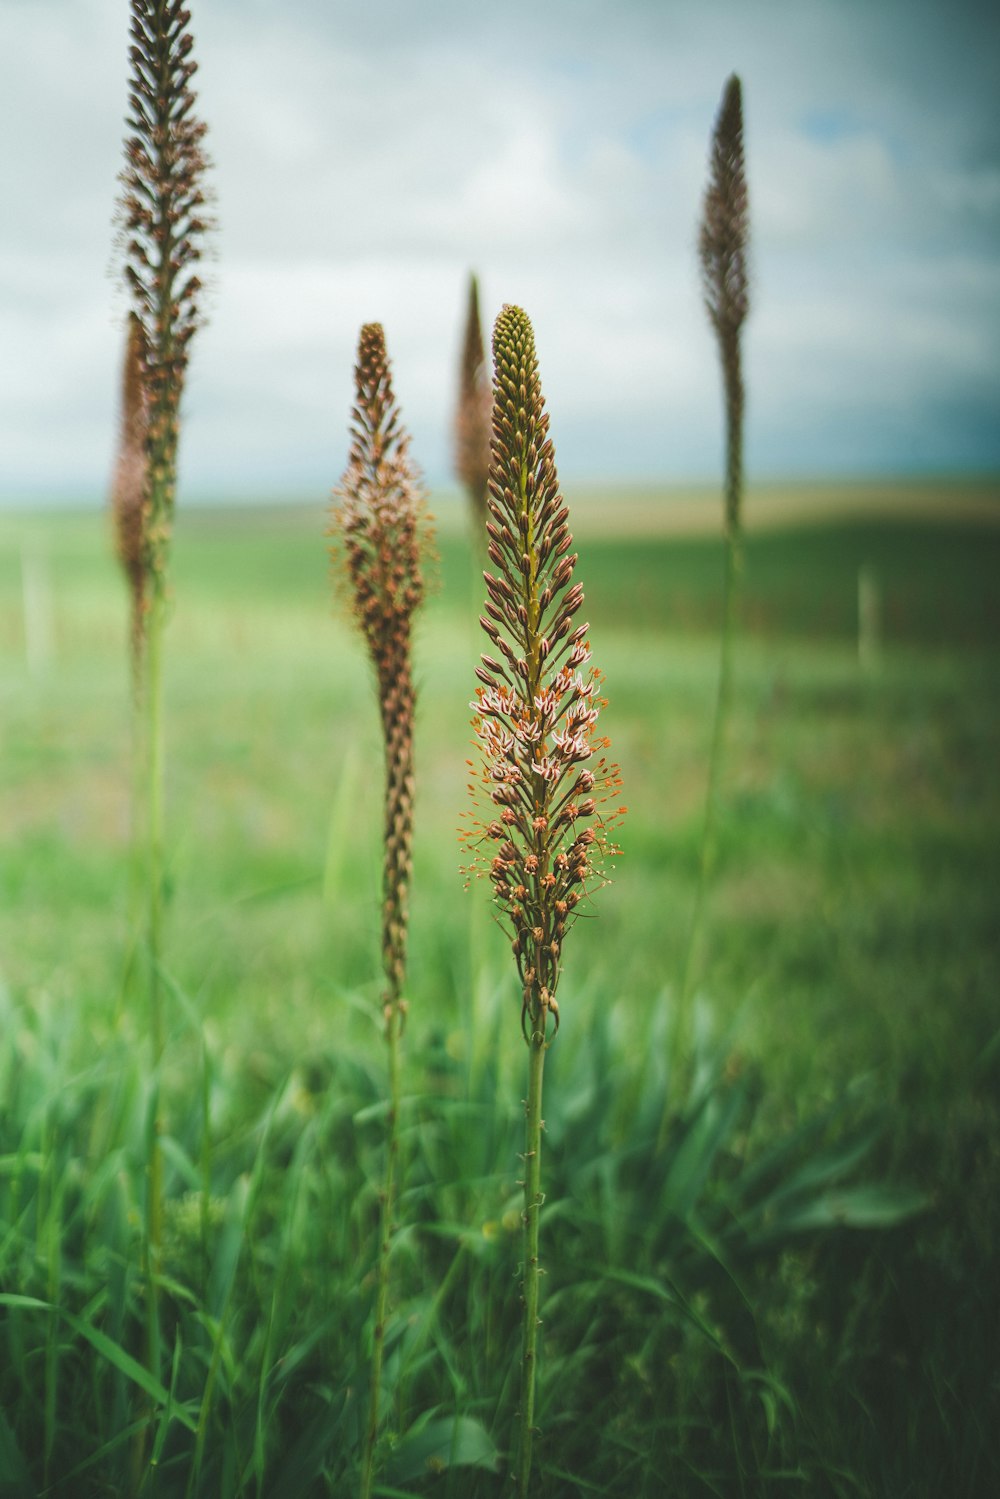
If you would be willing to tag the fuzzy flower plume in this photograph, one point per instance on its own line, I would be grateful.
(722, 248)
(383, 531)
(543, 777)
(128, 496)
(472, 416)
(163, 224)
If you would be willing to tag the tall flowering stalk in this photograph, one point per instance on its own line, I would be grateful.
(162, 215)
(543, 777)
(472, 414)
(383, 532)
(722, 247)
(162, 224)
(128, 498)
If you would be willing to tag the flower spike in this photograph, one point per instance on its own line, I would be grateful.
(162, 224)
(722, 248)
(543, 780)
(380, 519)
(383, 533)
(537, 704)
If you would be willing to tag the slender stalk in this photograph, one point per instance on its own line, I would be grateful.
(709, 835)
(155, 808)
(380, 520)
(530, 1285)
(723, 253)
(387, 1201)
(154, 874)
(536, 717)
(162, 485)
(162, 226)
(128, 507)
(138, 840)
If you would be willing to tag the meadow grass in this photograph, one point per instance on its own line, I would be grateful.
(850, 979)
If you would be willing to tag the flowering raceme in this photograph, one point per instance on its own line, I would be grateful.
(384, 537)
(538, 705)
(163, 225)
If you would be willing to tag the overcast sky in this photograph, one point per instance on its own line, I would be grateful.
(367, 156)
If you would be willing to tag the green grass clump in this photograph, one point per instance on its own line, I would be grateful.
(697, 1331)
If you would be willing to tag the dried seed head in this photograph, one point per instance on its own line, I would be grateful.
(382, 532)
(379, 512)
(162, 226)
(472, 415)
(129, 494)
(723, 252)
(724, 233)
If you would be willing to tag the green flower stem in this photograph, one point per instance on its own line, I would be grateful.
(709, 835)
(722, 248)
(535, 721)
(393, 1032)
(720, 726)
(533, 1199)
(137, 900)
(156, 821)
(155, 795)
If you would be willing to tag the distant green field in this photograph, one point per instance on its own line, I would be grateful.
(271, 719)
(853, 933)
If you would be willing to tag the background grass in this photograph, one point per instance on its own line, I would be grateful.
(850, 969)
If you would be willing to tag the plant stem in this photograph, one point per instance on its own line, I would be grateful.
(155, 794)
(137, 832)
(733, 382)
(393, 1029)
(378, 514)
(533, 1199)
(709, 835)
(153, 768)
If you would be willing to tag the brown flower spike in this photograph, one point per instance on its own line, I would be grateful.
(722, 248)
(163, 224)
(472, 416)
(537, 706)
(384, 534)
(129, 490)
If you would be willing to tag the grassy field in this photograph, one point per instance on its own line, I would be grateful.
(729, 1315)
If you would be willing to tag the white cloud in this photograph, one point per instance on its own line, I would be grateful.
(366, 158)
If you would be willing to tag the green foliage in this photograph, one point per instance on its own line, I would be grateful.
(705, 1325)
(261, 1303)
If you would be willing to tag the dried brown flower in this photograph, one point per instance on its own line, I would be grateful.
(163, 226)
(128, 497)
(722, 245)
(383, 530)
(473, 412)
